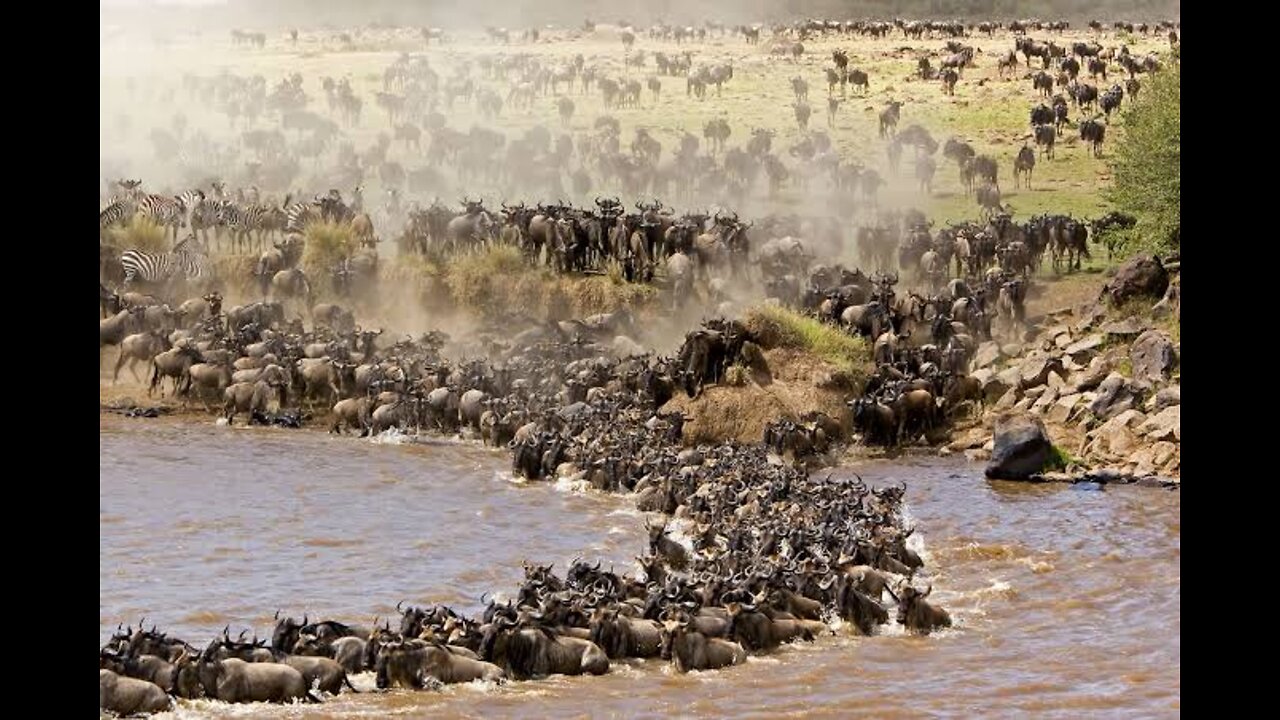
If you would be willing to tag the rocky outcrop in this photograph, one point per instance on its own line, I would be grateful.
(1142, 276)
(1165, 398)
(1164, 425)
(987, 354)
(1021, 449)
(1152, 356)
(1100, 386)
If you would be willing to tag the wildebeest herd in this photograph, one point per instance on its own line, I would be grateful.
(769, 554)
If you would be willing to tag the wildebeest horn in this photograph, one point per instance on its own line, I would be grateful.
(277, 615)
(892, 594)
(402, 602)
(926, 592)
(226, 631)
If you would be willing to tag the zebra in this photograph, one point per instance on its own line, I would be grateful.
(300, 214)
(171, 212)
(241, 220)
(208, 215)
(116, 212)
(188, 260)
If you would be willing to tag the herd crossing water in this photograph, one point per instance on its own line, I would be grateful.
(1065, 599)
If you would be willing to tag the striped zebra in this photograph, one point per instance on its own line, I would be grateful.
(171, 212)
(241, 220)
(208, 214)
(300, 214)
(118, 211)
(188, 261)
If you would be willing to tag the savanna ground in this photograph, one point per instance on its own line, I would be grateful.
(989, 111)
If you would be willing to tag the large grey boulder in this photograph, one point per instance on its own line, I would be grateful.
(1141, 276)
(1152, 356)
(1114, 396)
(1022, 448)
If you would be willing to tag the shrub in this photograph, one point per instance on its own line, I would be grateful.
(1148, 164)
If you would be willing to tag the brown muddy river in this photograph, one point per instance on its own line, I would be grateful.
(1066, 600)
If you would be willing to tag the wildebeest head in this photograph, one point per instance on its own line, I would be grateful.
(285, 635)
(915, 613)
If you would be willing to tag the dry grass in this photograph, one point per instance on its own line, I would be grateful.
(810, 366)
(327, 244)
(140, 233)
(740, 412)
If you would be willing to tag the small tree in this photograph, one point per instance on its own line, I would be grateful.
(1148, 164)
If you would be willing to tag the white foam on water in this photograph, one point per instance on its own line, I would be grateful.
(391, 436)
(510, 477)
(916, 543)
(477, 687)
(569, 485)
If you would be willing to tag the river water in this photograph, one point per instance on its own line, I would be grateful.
(1066, 600)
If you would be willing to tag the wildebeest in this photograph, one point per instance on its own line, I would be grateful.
(692, 650)
(756, 630)
(233, 680)
(1023, 164)
(915, 613)
(859, 607)
(949, 78)
(536, 652)
(889, 117)
(411, 663)
(622, 636)
(130, 696)
(1093, 132)
(858, 78)
(1045, 136)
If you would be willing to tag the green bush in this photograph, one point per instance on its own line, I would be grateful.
(1148, 164)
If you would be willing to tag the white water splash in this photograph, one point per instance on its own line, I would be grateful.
(916, 543)
(391, 436)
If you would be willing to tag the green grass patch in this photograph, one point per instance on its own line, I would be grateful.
(1060, 459)
(778, 327)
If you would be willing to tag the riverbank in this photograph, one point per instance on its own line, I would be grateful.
(1103, 377)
